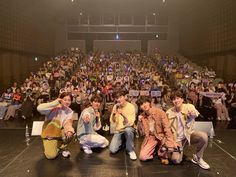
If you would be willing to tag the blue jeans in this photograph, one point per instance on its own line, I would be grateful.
(117, 140)
(3, 110)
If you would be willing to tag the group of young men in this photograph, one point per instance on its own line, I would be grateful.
(165, 133)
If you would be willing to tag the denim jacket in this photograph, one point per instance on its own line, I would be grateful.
(90, 127)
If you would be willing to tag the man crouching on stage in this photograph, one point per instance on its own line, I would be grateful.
(89, 122)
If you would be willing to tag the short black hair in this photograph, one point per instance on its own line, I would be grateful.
(142, 100)
(64, 94)
(176, 94)
(96, 98)
(119, 93)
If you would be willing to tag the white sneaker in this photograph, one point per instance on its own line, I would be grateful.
(228, 118)
(66, 153)
(132, 155)
(87, 150)
(218, 118)
(106, 143)
(200, 162)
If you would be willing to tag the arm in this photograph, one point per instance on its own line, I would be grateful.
(129, 116)
(192, 112)
(140, 126)
(86, 117)
(97, 124)
(69, 130)
(113, 115)
(45, 108)
(170, 142)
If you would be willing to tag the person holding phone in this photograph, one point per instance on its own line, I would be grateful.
(57, 130)
(123, 117)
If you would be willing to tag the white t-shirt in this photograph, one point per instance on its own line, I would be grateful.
(180, 133)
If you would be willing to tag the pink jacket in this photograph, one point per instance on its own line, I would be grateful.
(162, 127)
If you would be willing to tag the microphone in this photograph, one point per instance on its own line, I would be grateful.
(117, 105)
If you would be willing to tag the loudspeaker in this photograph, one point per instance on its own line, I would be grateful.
(205, 127)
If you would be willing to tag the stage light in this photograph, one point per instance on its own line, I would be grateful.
(154, 13)
(35, 59)
(117, 37)
(80, 13)
(157, 35)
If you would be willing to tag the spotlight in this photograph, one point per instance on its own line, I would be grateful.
(35, 59)
(117, 36)
(157, 35)
(154, 13)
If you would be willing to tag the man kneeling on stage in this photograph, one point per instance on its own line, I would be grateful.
(154, 125)
(182, 117)
(57, 130)
(123, 117)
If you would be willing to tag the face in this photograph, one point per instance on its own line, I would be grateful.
(95, 105)
(66, 101)
(177, 101)
(145, 106)
(121, 100)
(18, 90)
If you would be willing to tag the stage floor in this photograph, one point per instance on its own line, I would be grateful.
(20, 160)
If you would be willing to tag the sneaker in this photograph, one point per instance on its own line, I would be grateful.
(228, 118)
(106, 143)
(66, 153)
(87, 150)
(132, 155)
(200, 162)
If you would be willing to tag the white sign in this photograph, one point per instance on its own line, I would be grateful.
(133, 93)
(144, 93)
(155, 93)
(37, 128)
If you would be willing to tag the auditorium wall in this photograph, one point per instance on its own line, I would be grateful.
(26, 31)
(208, 35)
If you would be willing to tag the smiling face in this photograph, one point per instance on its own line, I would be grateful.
(178, 102)
(145, 106)
(66, 101)
(121, 100)
(95, 105)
